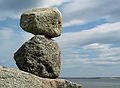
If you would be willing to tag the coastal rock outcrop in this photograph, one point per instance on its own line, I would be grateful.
(42, 21)
(14, 78)
(39, 56)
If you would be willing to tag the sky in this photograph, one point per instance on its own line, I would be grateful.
(90, 40)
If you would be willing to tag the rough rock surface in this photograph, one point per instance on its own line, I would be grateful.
(39, 56)
(42, 21)
(14, 78)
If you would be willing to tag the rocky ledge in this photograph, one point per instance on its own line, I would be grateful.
(14, 78)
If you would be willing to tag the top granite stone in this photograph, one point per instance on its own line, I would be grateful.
(42, 21)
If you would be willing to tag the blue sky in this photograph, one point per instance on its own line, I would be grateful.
(90, 41)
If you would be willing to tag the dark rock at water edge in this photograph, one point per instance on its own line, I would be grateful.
(39, 56)
(14, 78)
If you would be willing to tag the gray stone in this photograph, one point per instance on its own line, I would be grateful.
(39, 56)
(42, 21)
(14, 78)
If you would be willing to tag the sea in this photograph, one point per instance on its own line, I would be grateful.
(105, 82)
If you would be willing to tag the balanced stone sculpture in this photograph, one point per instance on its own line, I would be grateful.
(40, 55)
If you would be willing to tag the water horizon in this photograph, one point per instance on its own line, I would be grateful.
(96, 82)
(89, 77)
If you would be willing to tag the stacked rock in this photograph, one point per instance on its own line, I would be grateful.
(40, 55)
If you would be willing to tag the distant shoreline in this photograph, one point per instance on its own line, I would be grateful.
(89, 77)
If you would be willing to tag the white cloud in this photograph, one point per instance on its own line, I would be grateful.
(91, 10)
(93, 54)
(48, 3)
(13, 8)
(93, 46)
(74, 11)
(10, 42)
(73, 22)
(5, 33)
(106, 33)
(105, 54)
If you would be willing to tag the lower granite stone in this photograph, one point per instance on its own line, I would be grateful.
(14, 78)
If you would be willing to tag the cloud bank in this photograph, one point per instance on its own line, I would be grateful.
(10, 42)
(91, 10)
(13, 8)
(74, 12)
(88, 51)
(97, 46)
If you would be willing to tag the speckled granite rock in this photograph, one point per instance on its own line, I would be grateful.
(39, 56)
(42, 21)
(14, 78)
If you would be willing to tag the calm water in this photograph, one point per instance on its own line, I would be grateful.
(98, 83)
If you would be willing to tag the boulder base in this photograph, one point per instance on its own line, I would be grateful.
(39, 56)
(14, 78)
